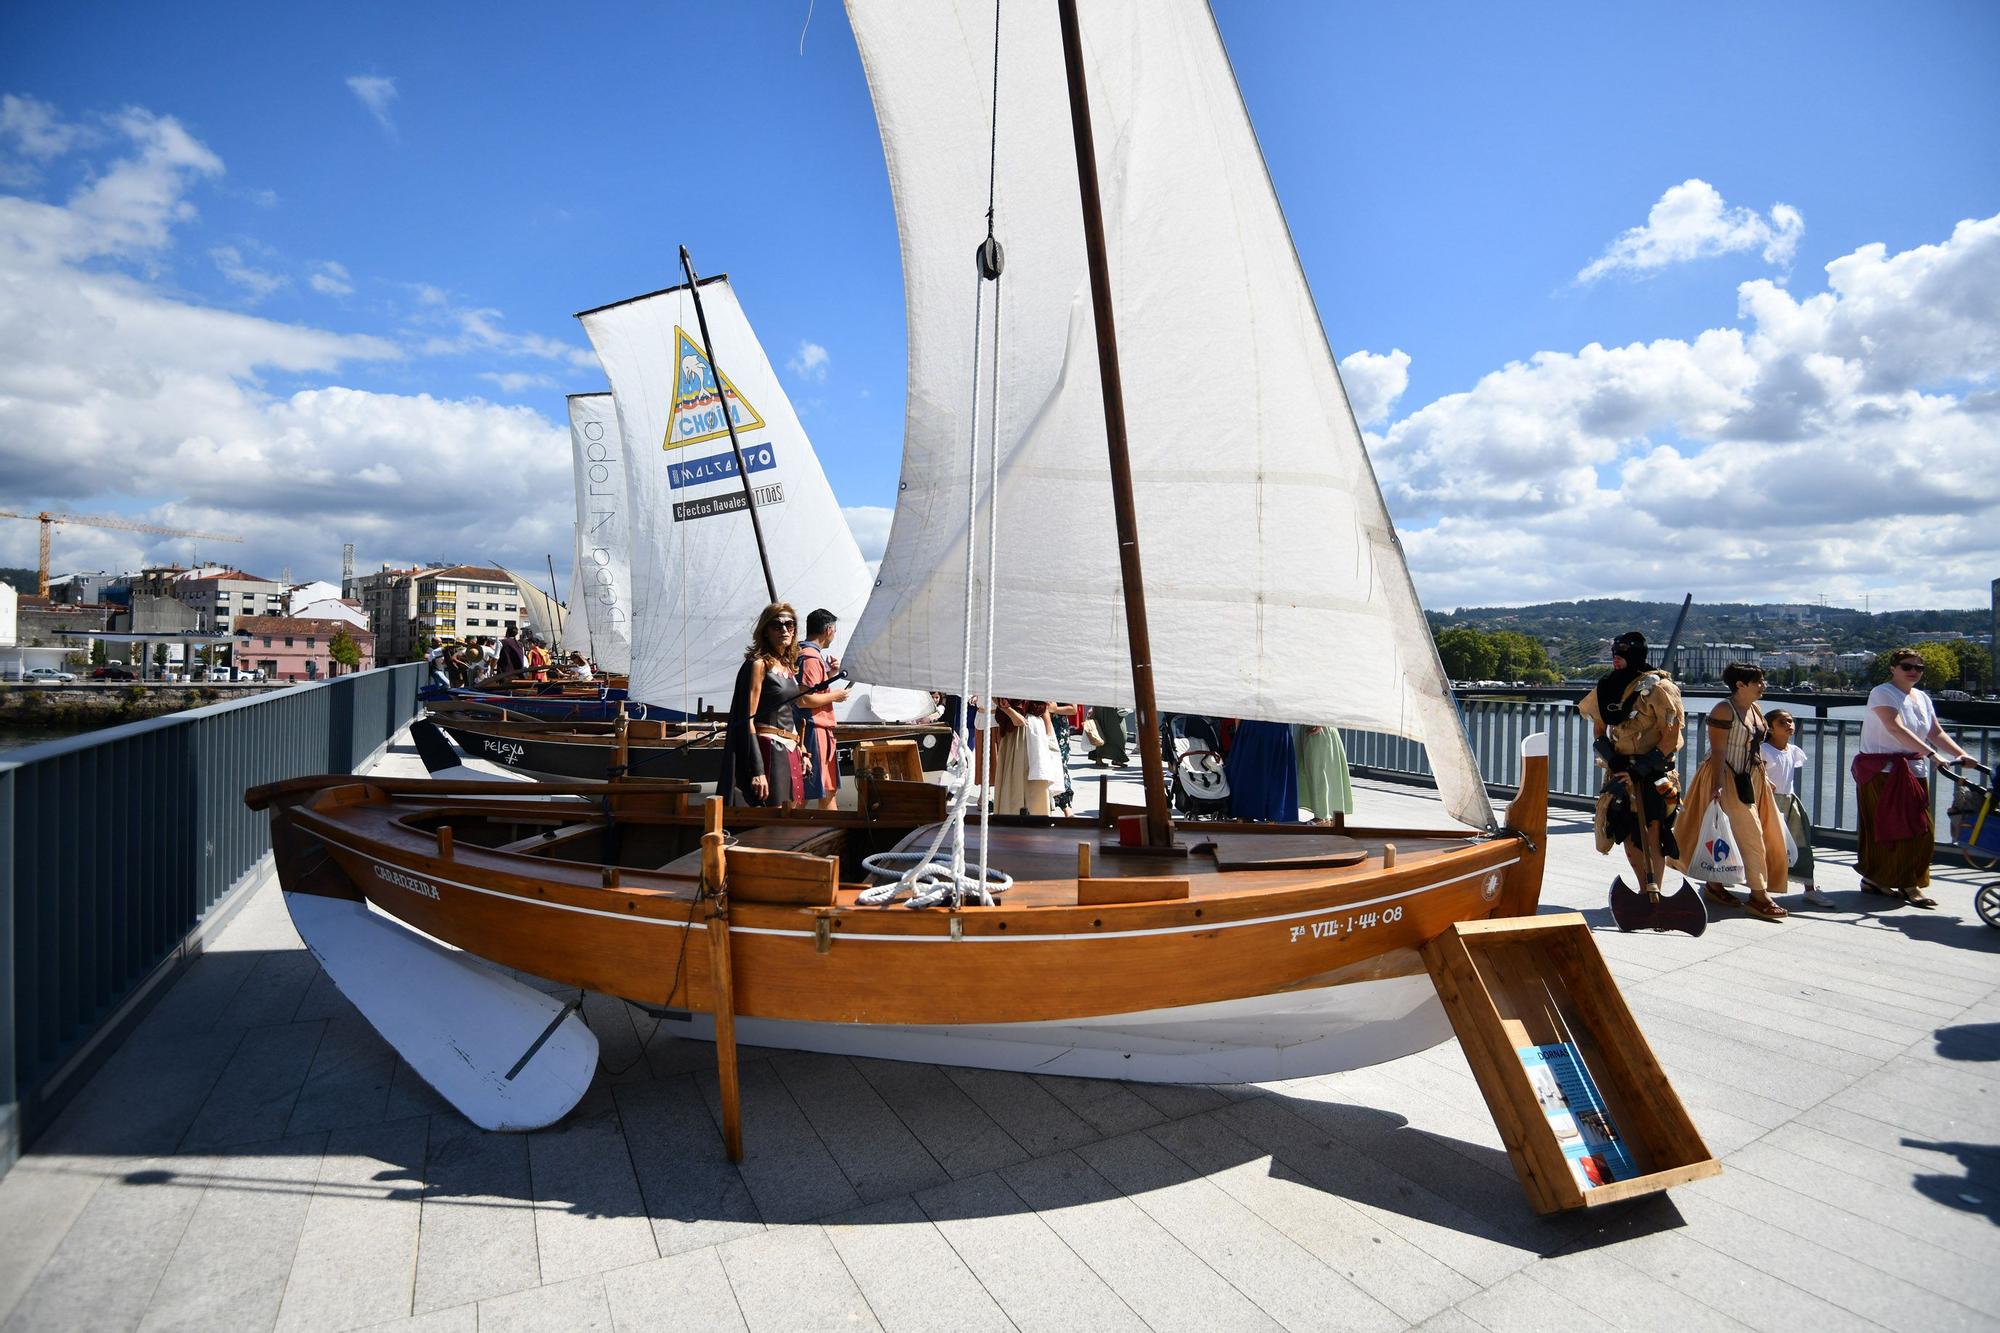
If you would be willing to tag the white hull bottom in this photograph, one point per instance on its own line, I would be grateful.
(506, 1055)
(1255, 1040)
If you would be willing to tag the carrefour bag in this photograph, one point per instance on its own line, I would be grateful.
(1716, 858)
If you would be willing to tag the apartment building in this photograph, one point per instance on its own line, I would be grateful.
(222, 596)
(435, 602)
(294, 648)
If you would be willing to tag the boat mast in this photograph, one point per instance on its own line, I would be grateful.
(1159, 822)
(729, 420)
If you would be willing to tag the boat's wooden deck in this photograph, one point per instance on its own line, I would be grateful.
(1041, 856)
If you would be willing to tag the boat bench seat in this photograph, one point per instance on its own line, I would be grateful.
(808, 838)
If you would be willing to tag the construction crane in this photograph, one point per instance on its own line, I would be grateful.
(48, 522)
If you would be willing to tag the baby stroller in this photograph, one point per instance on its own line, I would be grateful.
(1194, 753)
(1975, 829)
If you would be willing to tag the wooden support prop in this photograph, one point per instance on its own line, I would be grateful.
(1082, 861)
(621, 744)
(722, 986)
(1388, 856)
(444, 842)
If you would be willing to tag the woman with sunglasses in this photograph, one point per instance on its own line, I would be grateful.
(762, 763)
(1899, 732)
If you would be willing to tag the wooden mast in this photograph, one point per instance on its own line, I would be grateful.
(1159, 820)
(729, 421)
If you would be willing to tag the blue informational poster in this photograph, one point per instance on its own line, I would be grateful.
(1577, 1116)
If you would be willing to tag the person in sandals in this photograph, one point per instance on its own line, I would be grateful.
(1636, 713)
(1899, 732)
(1734, 774)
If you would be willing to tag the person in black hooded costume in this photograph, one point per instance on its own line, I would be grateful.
(1636, 710)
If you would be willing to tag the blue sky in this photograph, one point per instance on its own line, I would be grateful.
(414, 200)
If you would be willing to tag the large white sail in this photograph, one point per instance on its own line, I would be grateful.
(603, 528)
(576, 619)
(1275, 585)
(693, 555)
(538, 608)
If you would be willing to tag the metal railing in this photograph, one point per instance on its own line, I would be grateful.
(117, 844)
(1497, 726)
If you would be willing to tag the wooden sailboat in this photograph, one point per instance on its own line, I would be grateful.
(1125, 947)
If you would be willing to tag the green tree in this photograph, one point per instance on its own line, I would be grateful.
(1975, 664)
(98, 654)
(160, 656)
(1940, 665)
(1467, 653)
(344, 650)
(1522, 657)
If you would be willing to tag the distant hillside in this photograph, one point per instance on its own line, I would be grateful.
(1573, 631)
(21, 580)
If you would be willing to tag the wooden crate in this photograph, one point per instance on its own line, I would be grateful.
(1527, 981)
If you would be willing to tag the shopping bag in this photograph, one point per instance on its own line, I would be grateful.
(1716, 858)
(1791, 843)
(1092, 733)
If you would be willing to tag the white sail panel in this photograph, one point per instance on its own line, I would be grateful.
(693, 555)
(539, 609)
(1275, 585)
(603, 528)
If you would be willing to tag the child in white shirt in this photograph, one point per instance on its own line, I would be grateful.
(1783, 763)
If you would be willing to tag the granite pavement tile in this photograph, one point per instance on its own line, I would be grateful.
(680, 1291)
(588, 1213)
(458, 1319)
(1475, 1247)
(1031, 1116)
(1519, 1304)
(476, 1225)
(203, 990)
(1793, 1251)
(1286, 1281)
(253, 1099)
(959, 1136)
(1039, 1282)
(1164, 1282)
(790, 1279)
(1371, 1256)
(908, 1272)
(789, 1172)
(694, 1195)
(1108, 1107)
(1626, 1296)
(574, 1306)
(235, 1255)
(357, 1252)
(102, 1273)
(40, 1199)
(1895, 1208)
(881, 1158)
(142, 1101)
(349, 1081)
(272, 991)
(324, 1000)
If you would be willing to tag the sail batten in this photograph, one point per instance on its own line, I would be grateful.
(694, 566)
(1275, 585)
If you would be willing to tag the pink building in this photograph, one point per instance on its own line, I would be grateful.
(294, 648)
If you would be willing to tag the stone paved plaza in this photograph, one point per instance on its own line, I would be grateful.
(254, 1157)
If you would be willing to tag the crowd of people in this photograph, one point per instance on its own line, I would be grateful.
(517, 655)
(1752, 776)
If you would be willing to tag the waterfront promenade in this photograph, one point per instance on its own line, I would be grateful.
(253, 1157)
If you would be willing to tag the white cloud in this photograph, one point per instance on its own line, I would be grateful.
(515, 381)
(1374, 383)
(1834, 443)
(480, 330)
(256, 283)
(119, 396)
(870, 526)
(378, 94)
(31, 133)
(331, 279)
(809, 362)
(1690, 221)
